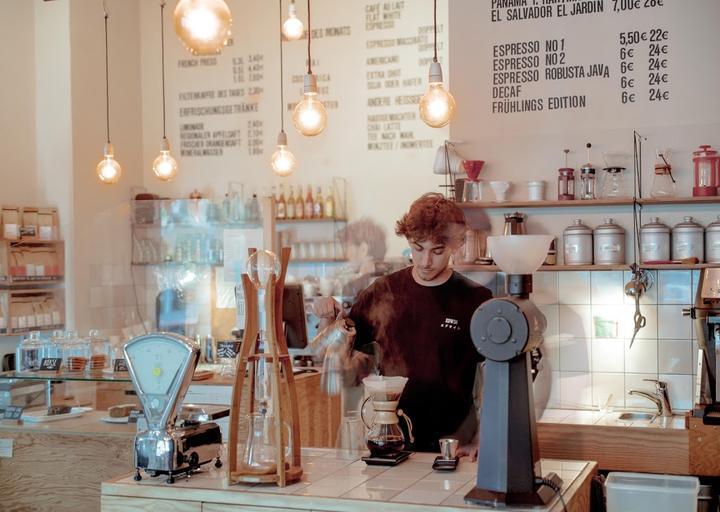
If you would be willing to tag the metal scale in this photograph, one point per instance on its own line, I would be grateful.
(161, 367)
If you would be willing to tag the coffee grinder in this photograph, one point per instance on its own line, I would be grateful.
(505, 331)
(161, 367)
(706, 313)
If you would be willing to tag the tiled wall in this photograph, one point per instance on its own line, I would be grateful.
(590, 323)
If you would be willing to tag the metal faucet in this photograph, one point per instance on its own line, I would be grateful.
(660, 398)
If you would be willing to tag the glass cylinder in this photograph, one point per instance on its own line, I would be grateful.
(587, 183)
(566, 184)
(706, 161)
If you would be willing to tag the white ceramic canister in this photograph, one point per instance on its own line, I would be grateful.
(654, 241)
(609, 246)
(687, 240)
(712, 242)
(536, 190)
(578, 244)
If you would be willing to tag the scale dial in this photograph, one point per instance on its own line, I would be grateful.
(156, 361)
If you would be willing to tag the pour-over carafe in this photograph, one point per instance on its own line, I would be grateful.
(384, 437)
(260, 454)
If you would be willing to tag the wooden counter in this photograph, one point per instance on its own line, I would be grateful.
(338, 484)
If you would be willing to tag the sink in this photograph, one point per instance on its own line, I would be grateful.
(637, 416)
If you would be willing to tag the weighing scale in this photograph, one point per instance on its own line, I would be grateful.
(161, 367)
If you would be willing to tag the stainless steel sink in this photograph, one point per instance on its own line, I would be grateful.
(637, 416)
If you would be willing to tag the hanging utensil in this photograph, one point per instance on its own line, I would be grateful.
(639, 284)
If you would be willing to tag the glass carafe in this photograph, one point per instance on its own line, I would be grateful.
(616, 183)
(260, 454)
(384, 437)
(663, 182)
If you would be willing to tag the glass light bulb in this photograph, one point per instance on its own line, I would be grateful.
(108, 170)
(260, 266)
(437, 106)
(283, 161)
(310, 116)
(203, 25)
(293, 27)
(165, 167)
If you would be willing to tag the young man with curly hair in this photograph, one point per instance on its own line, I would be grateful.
(419, 321)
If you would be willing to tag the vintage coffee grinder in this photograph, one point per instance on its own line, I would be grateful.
(161, 367)
(271, 452)
(505, 331)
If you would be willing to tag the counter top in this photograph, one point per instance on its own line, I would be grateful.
(607, 419)
(341, 482)
(89, 423)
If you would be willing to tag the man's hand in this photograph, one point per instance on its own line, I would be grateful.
(326, 308)
(468, 450)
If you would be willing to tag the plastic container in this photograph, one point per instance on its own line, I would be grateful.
(639, 492)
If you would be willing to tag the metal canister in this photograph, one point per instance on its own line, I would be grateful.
(578, 244)
(712, 242)
(687, 240)
(609, 244)
(654, 241)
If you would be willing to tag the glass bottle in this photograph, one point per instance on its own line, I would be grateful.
(330, 204)
(299, 204)
(254, 209)
(309, 206)
(663, 182)
(281, 204)
(290, 207)
(318, 204)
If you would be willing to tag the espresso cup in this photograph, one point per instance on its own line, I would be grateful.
(448, 448)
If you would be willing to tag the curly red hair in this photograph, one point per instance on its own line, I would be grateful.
(432, 217)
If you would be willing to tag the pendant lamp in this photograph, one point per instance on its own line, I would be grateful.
(282, 161)
(165, 167)
(108, 170)
(292, 28)
(309, 115)
(437, 106)
(203, 25)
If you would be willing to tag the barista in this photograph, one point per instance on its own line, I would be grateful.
(415, 323)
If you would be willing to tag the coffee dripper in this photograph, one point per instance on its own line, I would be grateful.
(384, 437)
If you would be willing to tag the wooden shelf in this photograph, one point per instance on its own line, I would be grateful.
(14, 283)
(30, 242)
(19, 332)
(313, 220)
(590, 203)
(570, 268)
(316, 260)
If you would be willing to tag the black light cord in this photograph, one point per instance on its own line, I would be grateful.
(309, 32)
(162, 58)
(282, 107)
(107, 77)
(555, 487)
(434, 30)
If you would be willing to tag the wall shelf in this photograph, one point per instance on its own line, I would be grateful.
(589, 203)
(280, 222)
(316, 260)
(570, 268)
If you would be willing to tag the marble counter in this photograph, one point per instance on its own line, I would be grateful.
(332, 482)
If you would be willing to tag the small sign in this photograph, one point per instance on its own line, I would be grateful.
(13, 412)
(6, 448)
(228, 349)
(50, 364)
(120, 365)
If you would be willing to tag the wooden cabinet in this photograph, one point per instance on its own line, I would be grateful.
(122, 504)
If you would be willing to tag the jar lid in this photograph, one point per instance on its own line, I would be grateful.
(688, 224)
(577, 228)
(609, 228)
(566, 171)
(714, 225)
(655, 226)
(705, 150)
(587, 170)
(536, 183)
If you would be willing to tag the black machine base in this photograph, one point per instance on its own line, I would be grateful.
(386, 460)
(187, 471)
(542, 495)
(441, 464)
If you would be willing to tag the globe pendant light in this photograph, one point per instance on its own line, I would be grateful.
(282, 161)
(437, 106)
(203, 25)
(293, 27)
(309, 115)
(164, 166)
(108, 170)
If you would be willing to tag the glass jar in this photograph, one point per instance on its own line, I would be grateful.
(654, 241)
(566, 183)
(99, 351)
(706, 161)
(28, 354)
(609, 246)
(687, 240)
(76, 353)
(587, 182)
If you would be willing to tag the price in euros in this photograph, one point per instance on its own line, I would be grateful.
(657, 78)
(659, 95)
(631, 5)
(632, 37)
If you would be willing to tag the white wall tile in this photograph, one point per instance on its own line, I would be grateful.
(554, 400)
(606, 320)
(545, 288)
(606, 287)
(675, 356)
(680, 391)
(605, 384)
(637, 381)
(575, 354)
(672, 325)
(650, 295)
(575, 321)
(576, 389)
(574, 287)
(551, 312)
(674, 287)
(608, 355)
(642, 357)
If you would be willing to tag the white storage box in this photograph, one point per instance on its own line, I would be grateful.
(644, 492)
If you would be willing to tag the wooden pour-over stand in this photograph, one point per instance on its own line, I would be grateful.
(279, 368)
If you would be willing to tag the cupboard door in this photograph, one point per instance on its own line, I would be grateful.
(123, 504)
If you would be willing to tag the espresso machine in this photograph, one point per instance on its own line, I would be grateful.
(506, 330)
(706, 313)
(161, 367)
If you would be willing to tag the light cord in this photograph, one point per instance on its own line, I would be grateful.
(434, 30)
(162, 58)
(107, 76)
(282, 107)
(309, 67)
